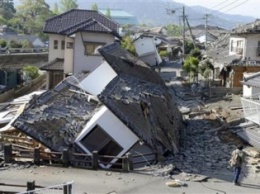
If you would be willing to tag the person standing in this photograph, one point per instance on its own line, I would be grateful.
(236, 161)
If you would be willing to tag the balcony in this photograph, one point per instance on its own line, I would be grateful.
(251, 108)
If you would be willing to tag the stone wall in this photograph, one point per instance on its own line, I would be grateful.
(18, 61)
(15, 93)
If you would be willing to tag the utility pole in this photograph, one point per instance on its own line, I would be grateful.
(206, 29)
(183, 30)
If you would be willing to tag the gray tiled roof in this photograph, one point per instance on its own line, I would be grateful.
(146, 108)
(57, 116)
(253, 27)
(80, 20)
(55, 65)
(125, 63)
(252, 80)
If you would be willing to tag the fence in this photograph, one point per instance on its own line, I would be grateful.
(65, 188)
(32, 188)
(66, 158)
(27, 50)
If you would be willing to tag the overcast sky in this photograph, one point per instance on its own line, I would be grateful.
(242, 7)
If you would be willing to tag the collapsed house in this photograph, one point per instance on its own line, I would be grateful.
(122, 106)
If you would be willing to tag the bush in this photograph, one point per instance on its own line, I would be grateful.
(15, 44)
(26, 44)
(164, 53)
(31, 71)
(3, 43)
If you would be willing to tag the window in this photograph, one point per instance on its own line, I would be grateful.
(99, 140)
(55, 44)
(91, 48)
(62, 45)
(69, 45)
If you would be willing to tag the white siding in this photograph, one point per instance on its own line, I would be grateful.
(68, 61)
(114, 127)
(146, 50)
(97, 80)
(83, 63)
(251, 47)
(55, 53)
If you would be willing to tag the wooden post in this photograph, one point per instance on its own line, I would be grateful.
(125, 164)
(36, 156)
(8, 153)
(95, 160)
(30, 187)
(65, 157)
(130, 161)
(67, 189)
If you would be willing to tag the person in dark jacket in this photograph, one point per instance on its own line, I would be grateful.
(239, 155)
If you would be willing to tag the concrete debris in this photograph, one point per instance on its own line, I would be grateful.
(175, 183)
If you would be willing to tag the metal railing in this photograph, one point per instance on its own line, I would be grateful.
(251, 108)
(65, 188)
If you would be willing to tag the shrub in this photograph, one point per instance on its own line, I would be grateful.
(31, 71)
(15, 44)
(164, 53)
(3, 43)
(26, 44)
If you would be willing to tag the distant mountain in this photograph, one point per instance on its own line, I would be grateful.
(154, 12)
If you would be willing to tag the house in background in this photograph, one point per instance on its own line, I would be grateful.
(74, 39)
(241, 55)
(127, 107)
(145, 47)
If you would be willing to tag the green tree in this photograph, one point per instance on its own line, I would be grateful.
(188, 47)
(32, 14)
(127, 43)
(108, 13)
(205, 69)
(173, 30)
(94, 7)
(196, 53)
(7, 9)
(56, 9)
(31, 71)
(67, 5)
(191, 65)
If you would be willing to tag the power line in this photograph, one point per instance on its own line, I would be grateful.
(219, 4)
(227, 5)
(236, 6)
(233, 7)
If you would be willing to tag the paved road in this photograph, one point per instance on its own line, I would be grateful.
(103, 182)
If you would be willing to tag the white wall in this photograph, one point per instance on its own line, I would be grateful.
(114, 127)
(145, 46)
(97, 80)
(68, 56)
(251, 46)
(55, 53)
(83, 63)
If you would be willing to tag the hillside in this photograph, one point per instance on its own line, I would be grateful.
(154, 12)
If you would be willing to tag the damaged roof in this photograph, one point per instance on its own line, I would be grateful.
(57, 116)
(146, 108)
(76, 20)
(252, 80)
(124, 63)
(250, 28)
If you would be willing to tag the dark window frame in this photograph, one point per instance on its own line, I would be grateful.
(55, 44)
